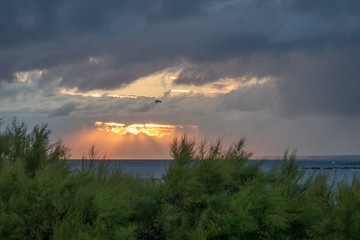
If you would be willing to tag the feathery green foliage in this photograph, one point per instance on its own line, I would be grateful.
(41, 198)
(208, 192)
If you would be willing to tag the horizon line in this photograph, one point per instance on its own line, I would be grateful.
(270, 157)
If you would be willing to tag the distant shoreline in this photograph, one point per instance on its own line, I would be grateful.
(310, 157)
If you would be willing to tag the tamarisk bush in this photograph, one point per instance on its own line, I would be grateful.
(42, 198)
(214, 192)
(209, 191)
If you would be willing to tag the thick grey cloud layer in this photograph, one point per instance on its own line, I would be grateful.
(311, 48)
(64, 110)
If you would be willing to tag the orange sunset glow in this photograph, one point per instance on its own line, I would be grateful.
(150, 129)
(135, 141)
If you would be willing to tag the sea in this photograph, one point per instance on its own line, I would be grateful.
(338, 168)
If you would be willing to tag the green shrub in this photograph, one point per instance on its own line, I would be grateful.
(42, 198)
(200, 179)
(208, 192)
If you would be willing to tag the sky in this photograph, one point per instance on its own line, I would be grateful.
(281, 73)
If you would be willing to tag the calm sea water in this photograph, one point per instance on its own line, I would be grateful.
(337, 168)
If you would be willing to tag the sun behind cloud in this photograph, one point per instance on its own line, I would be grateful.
(125, 141)
(150, 129)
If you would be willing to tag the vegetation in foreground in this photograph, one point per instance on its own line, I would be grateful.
(208, 192)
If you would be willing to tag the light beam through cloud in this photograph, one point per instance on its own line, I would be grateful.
(150, 129)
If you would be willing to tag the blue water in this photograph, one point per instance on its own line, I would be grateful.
(337, 169)
(140, 167)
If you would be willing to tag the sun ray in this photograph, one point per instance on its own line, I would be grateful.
(150, 129)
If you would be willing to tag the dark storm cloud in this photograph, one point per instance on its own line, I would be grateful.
(92, 44)
(326, 7)
(174, 10)
(325, 84)
(251, 98)
(64, 110)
